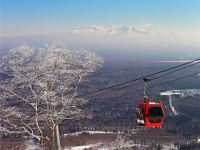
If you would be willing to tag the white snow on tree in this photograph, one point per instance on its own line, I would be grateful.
(46, 80)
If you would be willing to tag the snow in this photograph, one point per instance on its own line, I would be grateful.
(169, 94)
(169, 147)
(79, 147)
(182, 93)
(187, 92)
(89, 132)
(198, 140)
(82, 147)
(31, 145)
(100, 146)
(171, 106)
(2, 129)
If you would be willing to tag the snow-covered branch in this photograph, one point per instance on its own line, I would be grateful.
(47, 81)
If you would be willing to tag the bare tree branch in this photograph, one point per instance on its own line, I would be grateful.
(47, 79)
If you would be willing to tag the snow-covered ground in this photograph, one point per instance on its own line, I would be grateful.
(198, 140)
(119, 143)
(89, 132)
(172, 107)
(169, 94)
(101, 146)
(169, 147)
(83, 147)
(182, 93)
(31, 145)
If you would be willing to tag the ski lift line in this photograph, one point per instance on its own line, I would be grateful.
(174, 80)
(168, 82)
(151, 87)
(142, 82)
(114, 91)
(154, 78)
(173, 71)
(116, 85)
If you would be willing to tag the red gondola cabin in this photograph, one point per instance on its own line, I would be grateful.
(150, 113)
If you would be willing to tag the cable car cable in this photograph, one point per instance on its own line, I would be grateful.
(116, 85)
(173, 71)
(151, 79)
(158, 120)
(174, 80)
(171, 81)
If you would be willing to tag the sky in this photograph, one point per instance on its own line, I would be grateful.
(104, 24)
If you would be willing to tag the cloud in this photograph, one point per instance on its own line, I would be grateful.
(146, 29)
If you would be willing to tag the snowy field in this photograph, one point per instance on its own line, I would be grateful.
(89, 132)
(181, 93)
(101, 146)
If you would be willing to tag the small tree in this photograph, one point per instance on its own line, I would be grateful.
(46, 81)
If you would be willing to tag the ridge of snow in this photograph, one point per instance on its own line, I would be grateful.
(198, 140)
(171, 106)
(82, 147)
(182, 93)
(89, 132)
(99, 146)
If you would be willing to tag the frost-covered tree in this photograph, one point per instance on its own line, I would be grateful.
(46, 81)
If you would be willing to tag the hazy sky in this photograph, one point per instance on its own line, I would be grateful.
(106, 24)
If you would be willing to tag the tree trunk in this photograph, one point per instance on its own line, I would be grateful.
(51, 145)
(58, 138)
